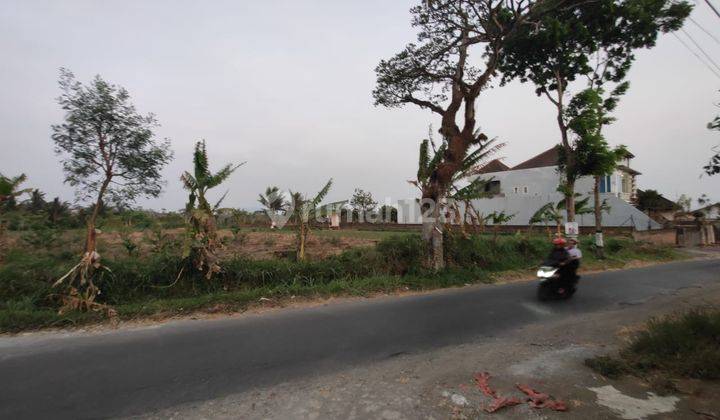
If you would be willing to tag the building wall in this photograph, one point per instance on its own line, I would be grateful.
(545, 180)
(523, 207)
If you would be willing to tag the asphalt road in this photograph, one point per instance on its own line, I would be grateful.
(130, 372)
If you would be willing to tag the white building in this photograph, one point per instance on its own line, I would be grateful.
(539, 176)
(521, 190)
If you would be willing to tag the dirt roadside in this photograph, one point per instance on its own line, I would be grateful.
(439, 384)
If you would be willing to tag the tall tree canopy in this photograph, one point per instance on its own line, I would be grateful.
(108, 150)
(459, 46)
(594, 39)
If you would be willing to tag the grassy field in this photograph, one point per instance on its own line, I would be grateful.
(258, 264)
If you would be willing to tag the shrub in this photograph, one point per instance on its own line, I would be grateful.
(40, 237)
(686, 345)
(479, 251)
(401, 254)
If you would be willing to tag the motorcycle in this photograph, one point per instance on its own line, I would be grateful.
(553, 286)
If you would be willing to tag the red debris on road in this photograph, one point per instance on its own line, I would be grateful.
(482, 380)
(539, 400)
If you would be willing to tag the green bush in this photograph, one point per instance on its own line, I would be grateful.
(30, 276)
(401, 254)
(686, 345)
(507, 253)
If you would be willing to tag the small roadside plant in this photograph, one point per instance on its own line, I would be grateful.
(131, 247)
(302, 210)
(497, 219)
(683, 345)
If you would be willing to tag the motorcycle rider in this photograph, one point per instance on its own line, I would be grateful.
(560, 257)
(575, 256)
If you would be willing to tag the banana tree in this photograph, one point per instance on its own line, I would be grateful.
(201, 235)
(554, 212)
(430, 158)
(302, 209)
(497, 219)
(10, 188)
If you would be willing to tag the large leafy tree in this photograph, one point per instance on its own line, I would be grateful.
(109, 152)
(201, 238)
(459, 46)
(362, 203)
(588, 112)
(561, 48)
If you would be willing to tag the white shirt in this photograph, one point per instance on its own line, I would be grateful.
(575, 253)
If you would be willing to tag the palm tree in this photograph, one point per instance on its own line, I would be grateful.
(201, 238)
(36, 203)
(56, 209)
(302, 209)
(274, 203)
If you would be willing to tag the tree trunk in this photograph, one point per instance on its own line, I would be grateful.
(302, 236)
(599, 250)
(91, 238)
(432, 233)
(438, 257)
(570, 200)
(569, 156)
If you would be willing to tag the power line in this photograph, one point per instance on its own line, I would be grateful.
(704, 30)
(700, 48)
(713, 8)
(696, 55)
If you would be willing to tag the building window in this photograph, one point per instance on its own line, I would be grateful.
(492, 187)
(516, 190)
(525, 190)
(626, 184)
(605, 184)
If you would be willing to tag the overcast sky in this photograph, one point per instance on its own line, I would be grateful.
(286, 86)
